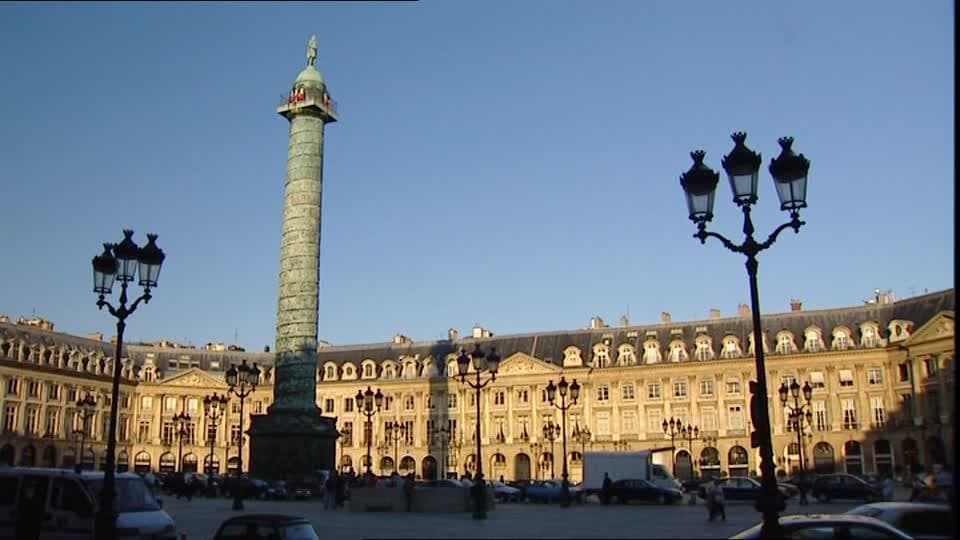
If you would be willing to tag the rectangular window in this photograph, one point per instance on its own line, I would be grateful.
(735, 417)
(170, 404)
(654, 418)
(708, 417)
(706, 387)
(235, 407)
(71, 394)
(653, 391)
(820, 415)
(387, 403)
(603, 393)
(451, 401)
(10, 418)
(34, 389)
(628, 392)
(33, 422)
(235, 434)
(523, 396)
(328, 405)
(499, 398)
(846, 377)
(409, 404)
(816, 380)
(348, 404)
(877, 411)
(874, 375)
(903, 372)
(428, 402)
(849, 408)
(167, 435)
(53, 392)
(680, 390)
(930, 367)
(258, 407)
(53, 423)
(346, 433)
(733, 387)
(143, 432)
(788, 379)
(193, 405)
(13, 386)
(628, 420)
(603, 422)
(123, 425)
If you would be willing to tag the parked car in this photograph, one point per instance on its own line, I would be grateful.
(922, 521)
(249, 488)
(789, 489)
(505, 493)
(829, 526)
(627, 490)
(446, 482)
(549, 491)
(266, 526)
(277, 491)
(845, 486)
(739, 488)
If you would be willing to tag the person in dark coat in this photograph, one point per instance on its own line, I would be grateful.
(31, 507)
(605, 489)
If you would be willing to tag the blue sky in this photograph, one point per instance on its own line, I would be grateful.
(513, 164)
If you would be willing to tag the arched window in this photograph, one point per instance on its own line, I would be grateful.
(853, 453)
(823, 461)
(626, 356)
(651, 352)
(785, 344)
(678, 351)
(704, 350)
(407, 465)
(731, 348)
(841, 339)
(601, 355)
(812, 340)
(738, 461)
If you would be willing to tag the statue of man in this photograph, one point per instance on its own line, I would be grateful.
(312, 50)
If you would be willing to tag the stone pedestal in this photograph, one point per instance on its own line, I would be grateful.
(291, 445)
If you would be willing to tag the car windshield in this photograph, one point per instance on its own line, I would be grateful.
(132, 494)
(866, 510)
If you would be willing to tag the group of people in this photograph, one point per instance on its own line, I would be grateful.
(299, 95)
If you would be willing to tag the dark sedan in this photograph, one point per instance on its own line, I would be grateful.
(845, 486)
(266, 526)
(628, 490)
(739, 488)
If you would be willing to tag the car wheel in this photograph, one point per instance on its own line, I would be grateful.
(661, 499)
(823, 497)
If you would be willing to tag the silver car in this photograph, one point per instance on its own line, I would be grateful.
(830, 526)
(922, 521)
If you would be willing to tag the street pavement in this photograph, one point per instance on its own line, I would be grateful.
(199, 519)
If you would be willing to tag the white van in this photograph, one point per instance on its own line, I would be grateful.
(65, 504)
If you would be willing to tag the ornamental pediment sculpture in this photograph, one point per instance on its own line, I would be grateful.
(524, 364)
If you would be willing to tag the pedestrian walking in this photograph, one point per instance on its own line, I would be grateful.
(888, 487)
(804, 489)
(330, 491)
(605, 489)
(408, 491)
(715, 501)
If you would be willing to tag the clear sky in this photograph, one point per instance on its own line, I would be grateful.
(512, 164)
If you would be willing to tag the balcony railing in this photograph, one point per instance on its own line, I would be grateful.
(330, 104)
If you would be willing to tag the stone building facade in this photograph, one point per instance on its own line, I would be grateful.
(883, 377)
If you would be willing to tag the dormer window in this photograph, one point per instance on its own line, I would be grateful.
(368, 371)
(812, 341)
(389, 371)
(409, 370)
(651, 352)
(870, 335)
(731, 348)
(626, 355)
(785, 344)
(763, 339)
(841, 340)
(601, 355)
(704, 351)
(678, 352)
(572, 357)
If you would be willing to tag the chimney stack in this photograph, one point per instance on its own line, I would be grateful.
(452, 334)
(665, 316)
(796, 304)
(625, 320)
(715, 313)
(744, 310)
(596, 322)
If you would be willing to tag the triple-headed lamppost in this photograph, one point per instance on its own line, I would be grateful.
(673, 429)
(563, 406)
(182, 419)
(550, 433)
(241, 381)
(492, 364)
(214, 406)
(789, 172)
(690, 433)
(394, 434)
(86, 407)
(366, 401)
(797, 414)
(120, 262)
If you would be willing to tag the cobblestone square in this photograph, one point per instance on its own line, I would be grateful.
(200, 518)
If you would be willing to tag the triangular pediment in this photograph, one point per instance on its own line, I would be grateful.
(524, 364)
(941, 326)
(194, 378)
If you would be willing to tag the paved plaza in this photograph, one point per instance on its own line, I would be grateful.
(201, 517)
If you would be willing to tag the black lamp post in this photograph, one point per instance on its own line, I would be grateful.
(346, 437)
(242, 381)
(582, 436)
(213, 408)
(789, 172)
(181, 419)
(476, 358)
(708, 440)
(369, 404)
(550, 433)
(690, 433)
(673, 428)
(442, 436)
(563, 406)
(394, 435)
(798, 414)
(536, 448)
(120, 262)
(86, 407)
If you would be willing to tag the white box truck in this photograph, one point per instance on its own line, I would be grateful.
(623, 466)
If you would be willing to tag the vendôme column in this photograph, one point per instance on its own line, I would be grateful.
(293, 438)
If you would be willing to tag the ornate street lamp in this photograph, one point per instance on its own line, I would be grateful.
(120, 262)
(789, 172)
(550, 433)
(476, 358)
(181, 419)
(346, 437)
(86, 407)
(798, 414)
(394, 434)
(690, 433)
(366, 401)
(214, 407)
(563, 406)
(242, 381)
(673, 429)
(582, 436)
(442, 435)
